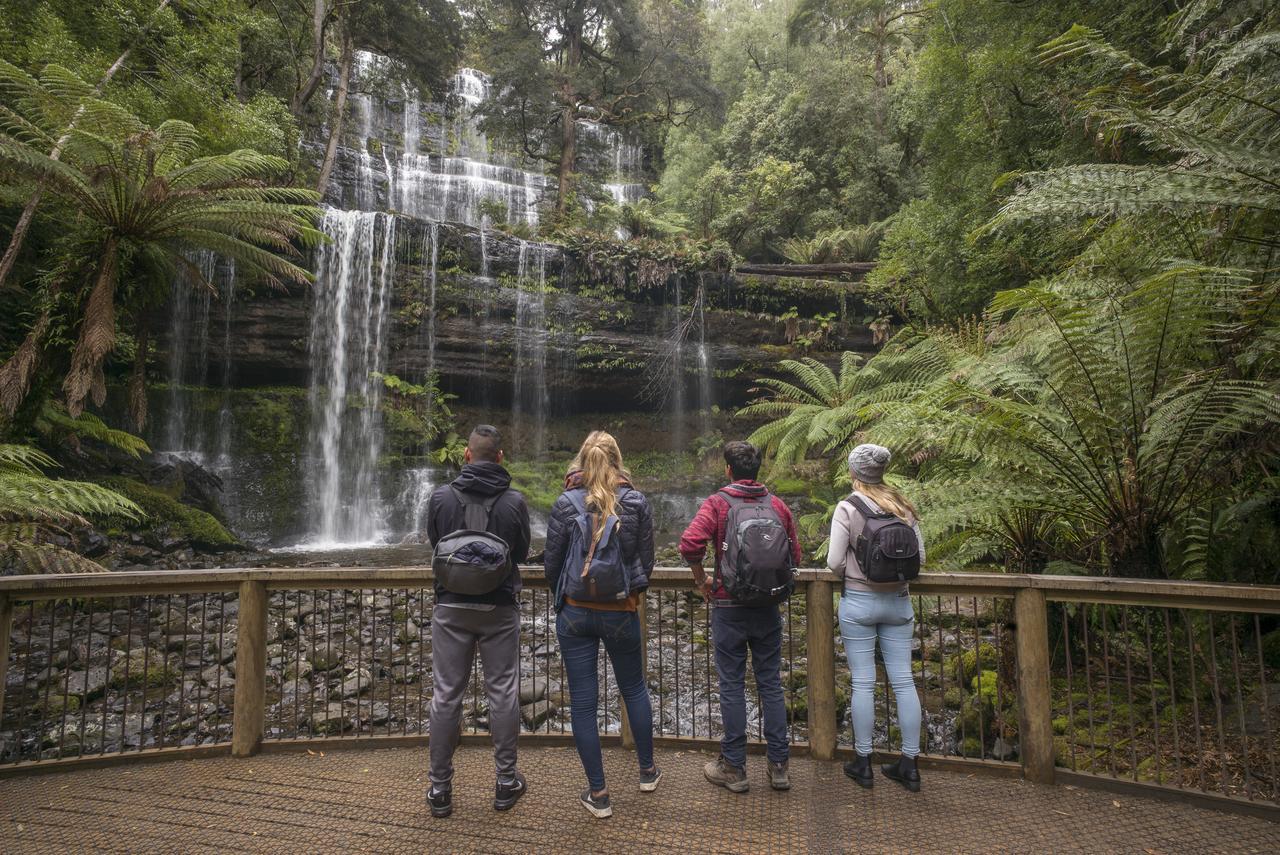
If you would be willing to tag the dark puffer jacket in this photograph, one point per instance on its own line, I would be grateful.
(635, 529)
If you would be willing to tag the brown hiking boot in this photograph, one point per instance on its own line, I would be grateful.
(778, 777)
(722, 774)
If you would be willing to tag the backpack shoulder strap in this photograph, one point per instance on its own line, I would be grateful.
(735, 501)
(472, 519)
(860, 504)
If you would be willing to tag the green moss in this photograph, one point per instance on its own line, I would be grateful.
(953, 698)
(1061, 725)
(183, 520)
(965, 666)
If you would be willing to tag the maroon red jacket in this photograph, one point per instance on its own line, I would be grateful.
(709, 523)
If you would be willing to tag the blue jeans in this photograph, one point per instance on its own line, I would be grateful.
(866, 616)
(734, 631)
(580, 632)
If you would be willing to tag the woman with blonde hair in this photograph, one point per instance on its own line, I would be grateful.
(872, 612)
(598, 560)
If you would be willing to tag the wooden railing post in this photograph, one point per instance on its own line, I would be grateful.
(6, 626)
(1035, 727)
(642, 611)
(251, 670)
(820, 643)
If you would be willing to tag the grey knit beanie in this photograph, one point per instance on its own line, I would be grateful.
(867, 463)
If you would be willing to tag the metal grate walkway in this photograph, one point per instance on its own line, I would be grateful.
(372, 800)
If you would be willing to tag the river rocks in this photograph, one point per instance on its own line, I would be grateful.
(89, 683)
(535, 714)
(355, 682)
(332, 718)
(326, 657)
(217, 676)
(533, 689)
(1003, 750)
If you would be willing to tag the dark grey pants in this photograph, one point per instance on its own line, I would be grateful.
(456, 631)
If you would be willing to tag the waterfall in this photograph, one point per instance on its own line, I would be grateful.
(677, 367)
(222, 445)
(413, 499)
(529, 397)
(188, 354)
(351, 297)
(705, 396)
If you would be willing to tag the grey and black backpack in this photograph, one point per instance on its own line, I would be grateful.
(888, 549)
(757, 568)
(472, 560)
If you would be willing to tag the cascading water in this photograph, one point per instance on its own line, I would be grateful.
(706, 398)
(677, 388)
(351, 296)
(223, 445)
(188, 355)
(418, 485)
(529, 399)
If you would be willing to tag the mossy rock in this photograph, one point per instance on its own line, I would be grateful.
(193, 524)
(965, 666)
(1061, 725)
(971, 746)
(953, 698)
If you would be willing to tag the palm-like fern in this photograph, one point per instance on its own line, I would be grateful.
(140, 195)
(32, 504)
(1212, 124)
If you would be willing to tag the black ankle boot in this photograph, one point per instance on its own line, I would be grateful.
(904, 772)
(860, 771)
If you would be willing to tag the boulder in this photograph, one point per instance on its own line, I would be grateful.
(536, 714)
(355, 682)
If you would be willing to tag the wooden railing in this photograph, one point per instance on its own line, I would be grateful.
(79, 648)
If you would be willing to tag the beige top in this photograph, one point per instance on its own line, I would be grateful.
(846, 525)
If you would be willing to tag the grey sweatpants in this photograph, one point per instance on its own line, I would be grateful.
(456, 631)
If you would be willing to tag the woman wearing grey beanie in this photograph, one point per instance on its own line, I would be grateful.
(872, 612)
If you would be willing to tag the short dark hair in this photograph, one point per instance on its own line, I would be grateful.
(485, 442)
(743, 459)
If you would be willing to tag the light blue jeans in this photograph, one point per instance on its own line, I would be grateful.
(864, 617)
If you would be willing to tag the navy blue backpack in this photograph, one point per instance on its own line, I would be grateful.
(593, 574)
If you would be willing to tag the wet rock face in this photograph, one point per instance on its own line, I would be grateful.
(599, 346)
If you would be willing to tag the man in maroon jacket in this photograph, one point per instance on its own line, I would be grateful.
(737, 629)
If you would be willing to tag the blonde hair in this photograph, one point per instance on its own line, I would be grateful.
(888, 498)
(600, 463)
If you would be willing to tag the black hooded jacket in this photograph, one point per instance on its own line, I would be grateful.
(509, 520)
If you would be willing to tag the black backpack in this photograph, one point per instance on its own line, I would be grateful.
(472, 560)
(888, 549)
(757, 568)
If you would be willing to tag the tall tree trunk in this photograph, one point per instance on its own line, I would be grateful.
(339, 111)
(138, 378)
(29, 210)
(881, 37)
(319, 22)
(569, 113)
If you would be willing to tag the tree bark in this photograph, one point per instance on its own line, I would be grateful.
(319, 22)
(29, 210)
(569, 113)
(339, 111)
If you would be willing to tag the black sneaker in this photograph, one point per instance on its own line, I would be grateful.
(441, 801)
(649, 780)
(598, 806)
(509, 792)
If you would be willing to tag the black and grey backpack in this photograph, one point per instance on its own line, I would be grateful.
(757, 568)
(888, 549)
(472, 560)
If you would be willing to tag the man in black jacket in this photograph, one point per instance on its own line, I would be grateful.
(461, 622)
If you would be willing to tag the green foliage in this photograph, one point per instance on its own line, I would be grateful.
(201, 528)
(1105, 416)
(416, 415)
(132, 201)
(33, 505)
